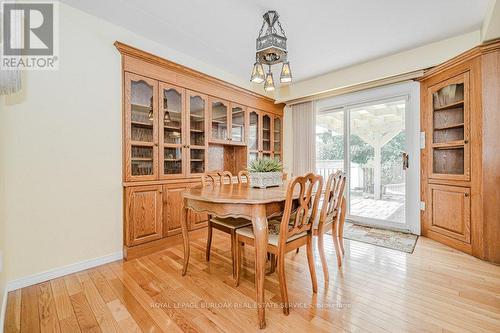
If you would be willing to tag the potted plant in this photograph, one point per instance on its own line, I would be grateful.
(266, 172)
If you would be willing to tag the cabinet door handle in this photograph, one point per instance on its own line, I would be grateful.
(466, 195)
(466, 141)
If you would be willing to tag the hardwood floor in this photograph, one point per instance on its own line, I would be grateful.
(435, 289)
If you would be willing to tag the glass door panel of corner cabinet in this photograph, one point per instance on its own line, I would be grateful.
(197, 138)
(266, 133)
(143, 131)
(254, 133)
(377, 177)
(450, 124)
(237, 123)
(277, 138)
(220, 120)
(172, 122)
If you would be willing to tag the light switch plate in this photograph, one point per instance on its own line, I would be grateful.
(422, 140)
(422, 205)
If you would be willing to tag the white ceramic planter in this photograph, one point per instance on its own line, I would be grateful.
(266, 179)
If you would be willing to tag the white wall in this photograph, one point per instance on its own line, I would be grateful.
(60, 162)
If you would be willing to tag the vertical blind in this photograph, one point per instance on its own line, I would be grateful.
(304, 138)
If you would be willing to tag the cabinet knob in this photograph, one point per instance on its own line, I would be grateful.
(466, 194)
(466, 141)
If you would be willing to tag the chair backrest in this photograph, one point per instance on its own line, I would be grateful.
(211, 178)
(301, 211)
(332, 200)
(244, 175)
(226, 177)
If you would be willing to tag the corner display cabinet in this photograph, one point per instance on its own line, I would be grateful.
(460, 164)
(178, 125)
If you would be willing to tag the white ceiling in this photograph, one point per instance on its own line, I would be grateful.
(323, 35)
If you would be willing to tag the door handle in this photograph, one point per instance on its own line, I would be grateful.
(406, 161)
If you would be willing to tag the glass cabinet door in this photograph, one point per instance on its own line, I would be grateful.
(237, 123)
(141, 115)
(449, 118)
(277, 137)
(266, 135)
(253, 135)
(171, 134)
(219, 119)
(197, 107)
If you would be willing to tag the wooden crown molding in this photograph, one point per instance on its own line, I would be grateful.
(485, 48)
(131, 51)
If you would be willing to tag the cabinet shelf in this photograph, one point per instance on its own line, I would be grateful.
(449, 127)
(173, 160)
(142, 159)
(172, 128)
(197, 130)
(450, 106)
(449, 145)
(197, 160)
(140, 123)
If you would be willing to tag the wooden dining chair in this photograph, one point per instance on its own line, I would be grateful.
(228, 225)
(244, 176)
(332, 215)
(292, 231)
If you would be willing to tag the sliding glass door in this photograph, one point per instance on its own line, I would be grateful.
(368, 141)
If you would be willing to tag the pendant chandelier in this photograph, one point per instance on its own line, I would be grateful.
(271, 49)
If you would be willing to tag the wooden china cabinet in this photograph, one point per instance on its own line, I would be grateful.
(460, 169)
(265, 135)
(179, 124)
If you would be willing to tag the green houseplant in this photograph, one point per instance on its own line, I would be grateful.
(266, 172)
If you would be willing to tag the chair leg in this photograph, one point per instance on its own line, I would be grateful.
(282, 281)
(321, 249)
(234, 246)
(341, 225)
(237, 263)
(336, 242)
(273, 263)
(209, 240)
(297, 251)
(310, 259)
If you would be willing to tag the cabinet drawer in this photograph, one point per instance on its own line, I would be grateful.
(450, 211)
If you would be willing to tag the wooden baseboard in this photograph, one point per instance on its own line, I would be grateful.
(133, 252)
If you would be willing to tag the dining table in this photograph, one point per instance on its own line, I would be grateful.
(238, 200)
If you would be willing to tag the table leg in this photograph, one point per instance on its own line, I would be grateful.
(185, 238)
(259, 221)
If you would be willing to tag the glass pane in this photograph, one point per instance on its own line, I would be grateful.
(197, 160)
(252, 157)
(449, 161)
(172, 161)
(219, 121)
(197, 120)
(377, 179)
(142, 161)
(448, 96)
(277, 134)
(266, 155)
(277, 156)
(238, 124)
(172, 116)
(266, 133)
(329, 142)
(141, 105)
(253, 136)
